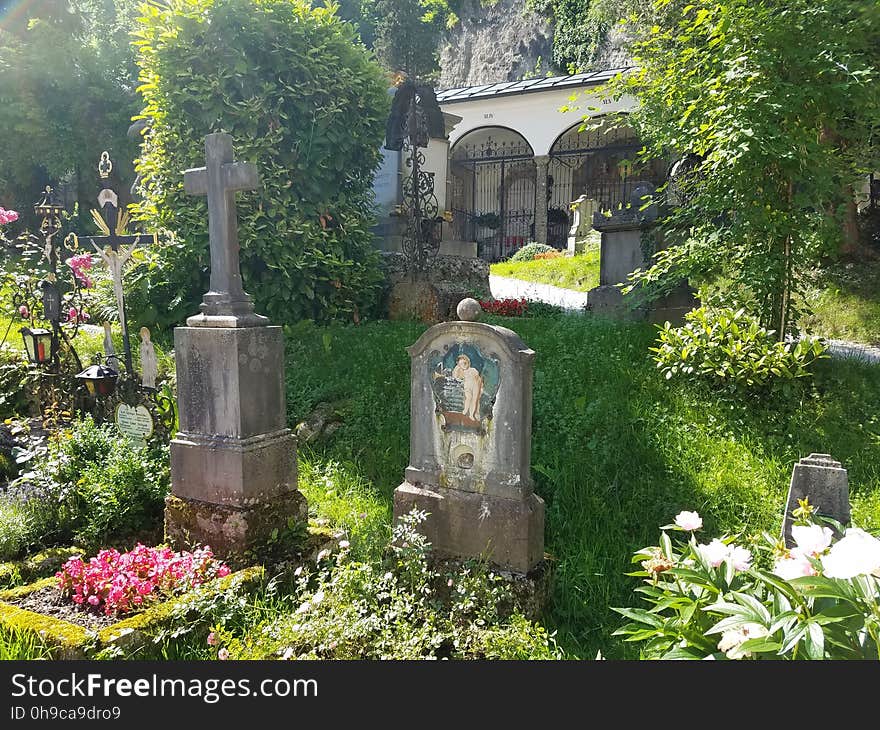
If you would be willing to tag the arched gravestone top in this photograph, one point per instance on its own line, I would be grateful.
(471, 410)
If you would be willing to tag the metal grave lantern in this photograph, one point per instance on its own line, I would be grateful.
(99, 380)
(37, 345)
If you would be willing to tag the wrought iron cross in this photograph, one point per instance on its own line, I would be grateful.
(226, 302)
(115, 247)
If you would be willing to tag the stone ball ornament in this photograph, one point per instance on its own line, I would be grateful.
(469, 310)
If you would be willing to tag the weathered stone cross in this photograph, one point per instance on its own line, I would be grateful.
(226, 304)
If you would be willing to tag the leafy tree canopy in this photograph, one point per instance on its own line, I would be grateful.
(776, 105)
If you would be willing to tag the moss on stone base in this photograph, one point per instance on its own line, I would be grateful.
(241, 536)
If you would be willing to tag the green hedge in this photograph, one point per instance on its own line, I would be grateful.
(304, 101)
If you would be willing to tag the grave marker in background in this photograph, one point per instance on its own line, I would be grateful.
(825, 483)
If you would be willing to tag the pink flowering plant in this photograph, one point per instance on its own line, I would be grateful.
(119, 583)
(719, 599)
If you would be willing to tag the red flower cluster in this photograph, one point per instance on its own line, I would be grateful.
(505, 307)
(124, 582)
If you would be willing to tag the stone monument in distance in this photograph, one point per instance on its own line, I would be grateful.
(470, 444)
(233, 461)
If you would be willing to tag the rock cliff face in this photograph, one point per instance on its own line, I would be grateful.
(502, 42)
(506, 42)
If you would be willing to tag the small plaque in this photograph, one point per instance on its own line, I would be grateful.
(134, 422)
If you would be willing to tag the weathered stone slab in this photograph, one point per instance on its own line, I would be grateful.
(825, 483)
(230, 380)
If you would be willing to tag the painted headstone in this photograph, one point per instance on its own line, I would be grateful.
(825, 483)
(134, 422)
(470, 443)
(233, 460)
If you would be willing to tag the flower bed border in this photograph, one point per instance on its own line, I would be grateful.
(70, 641)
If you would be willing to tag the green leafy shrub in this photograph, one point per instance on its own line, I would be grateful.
(91, 487)
(714, 601)
(527, 252)
(402, 608)
(303, 101)
(730, 348)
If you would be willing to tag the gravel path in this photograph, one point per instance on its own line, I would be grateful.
(855, 350)
(504, 287)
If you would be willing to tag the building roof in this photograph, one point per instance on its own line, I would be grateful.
(541, 83)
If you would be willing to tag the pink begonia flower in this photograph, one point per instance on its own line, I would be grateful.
(714, 553)
(732, 640)
(740, 557)
(24, 311)
(223, 654)
(856, 553)
(7, 216)
(212, 639)
(811, 539)
(796, 565)
(689, 521)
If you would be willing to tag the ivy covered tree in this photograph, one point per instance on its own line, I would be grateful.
(303, 101)
(774, 104)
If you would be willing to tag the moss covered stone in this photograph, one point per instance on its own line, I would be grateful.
(69, 641)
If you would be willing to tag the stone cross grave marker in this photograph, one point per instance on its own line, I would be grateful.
(233, 461)
(470, 443)
(825, 483)
(226, 304)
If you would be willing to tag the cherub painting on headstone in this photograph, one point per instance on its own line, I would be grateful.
(465, 383)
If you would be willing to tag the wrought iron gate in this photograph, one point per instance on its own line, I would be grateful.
(493, 195)
(599, 164)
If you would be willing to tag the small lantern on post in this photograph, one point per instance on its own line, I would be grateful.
(100, 380)
(37, 345)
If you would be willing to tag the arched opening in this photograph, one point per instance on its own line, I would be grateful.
(598, 164)
(492, 174)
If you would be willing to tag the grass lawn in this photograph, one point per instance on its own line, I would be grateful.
(846, 303)
(617, 451)
(576, 272)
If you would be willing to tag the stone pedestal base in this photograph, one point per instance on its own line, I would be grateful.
(507, 532)
(230, 531)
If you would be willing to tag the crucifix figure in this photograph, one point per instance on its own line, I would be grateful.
(226, 304)
(115, 247)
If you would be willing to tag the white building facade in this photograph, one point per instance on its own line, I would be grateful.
(521, 153)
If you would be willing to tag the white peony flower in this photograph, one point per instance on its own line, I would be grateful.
(689, 521)
(811, 539)
(733, 639)
(714, 553)
(856, 553)
(796, 565)
(740, 557)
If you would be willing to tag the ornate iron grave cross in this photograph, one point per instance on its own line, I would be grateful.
(226, 304)
(115, 247)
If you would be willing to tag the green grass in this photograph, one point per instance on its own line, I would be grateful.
(846, 303)
(579, 272)
(617, 451)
